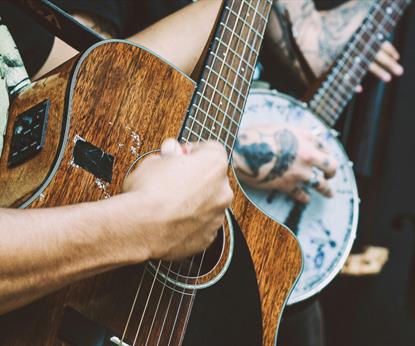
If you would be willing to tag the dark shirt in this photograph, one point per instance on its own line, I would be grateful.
(126, 17)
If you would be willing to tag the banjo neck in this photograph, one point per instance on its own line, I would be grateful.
(347, 72)
(217, 105)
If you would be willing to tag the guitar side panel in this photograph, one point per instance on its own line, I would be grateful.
(277, 259)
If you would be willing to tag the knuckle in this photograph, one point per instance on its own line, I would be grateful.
(307, 158)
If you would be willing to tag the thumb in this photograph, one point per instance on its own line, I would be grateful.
(171, 147)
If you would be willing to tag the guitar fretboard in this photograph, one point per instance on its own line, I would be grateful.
(219, 100)
(348, 71)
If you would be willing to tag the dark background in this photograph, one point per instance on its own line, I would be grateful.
(380, 310)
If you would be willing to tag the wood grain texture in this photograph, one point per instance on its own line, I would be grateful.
(126, 102)
(277, 258)
(19, 183)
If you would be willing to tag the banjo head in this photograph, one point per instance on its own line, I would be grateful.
(326, 227)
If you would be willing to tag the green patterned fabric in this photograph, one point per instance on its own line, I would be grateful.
(13, 76)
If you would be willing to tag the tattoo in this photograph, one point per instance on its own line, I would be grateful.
(258, 154)
(329, 31)
(335, 30)
(286, 155)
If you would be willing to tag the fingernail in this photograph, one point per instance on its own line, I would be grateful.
(399, 70)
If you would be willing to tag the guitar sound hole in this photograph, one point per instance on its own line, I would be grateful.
(195, 266)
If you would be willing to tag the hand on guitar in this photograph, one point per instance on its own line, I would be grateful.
(189, 193)
(171, 207)
(284, 158)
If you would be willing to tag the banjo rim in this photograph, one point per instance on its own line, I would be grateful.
(355, 212)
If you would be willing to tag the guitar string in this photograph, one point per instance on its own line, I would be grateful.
(326, 109)
(386, 24)
(133, 305)
(147, 301)
(256, 12)
(252, 51)
(322, 103)
(326, 91)
(158, 303)
(200, 138)
(156, 274)
(173, 291)
(178, 272)
(237, 77)
(214, 93)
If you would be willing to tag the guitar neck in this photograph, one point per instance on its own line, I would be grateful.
(338, 87)
(218, 102)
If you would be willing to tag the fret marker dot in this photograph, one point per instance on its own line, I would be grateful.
(389, 10)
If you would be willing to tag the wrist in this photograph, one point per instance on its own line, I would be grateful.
(126, 230)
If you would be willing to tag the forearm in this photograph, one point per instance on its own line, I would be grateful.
(44, 249)
(179, 38)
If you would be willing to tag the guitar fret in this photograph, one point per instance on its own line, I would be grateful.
(195, 120)
(232, 68)
(248, 64)
(244, 21)
(257, 12)
(198, 136)
(361, 50)
(244, 42)
(250, 52)
(218, 102)
(226, 82)
(227, 100)
(212, 118)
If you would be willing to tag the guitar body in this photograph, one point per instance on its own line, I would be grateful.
(119, 99)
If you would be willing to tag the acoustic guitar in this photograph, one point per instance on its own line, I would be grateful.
(75, 134)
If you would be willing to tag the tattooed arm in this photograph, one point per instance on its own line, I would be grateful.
(322, 35)
(282, 158)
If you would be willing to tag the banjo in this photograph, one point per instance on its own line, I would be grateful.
(326, 228)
